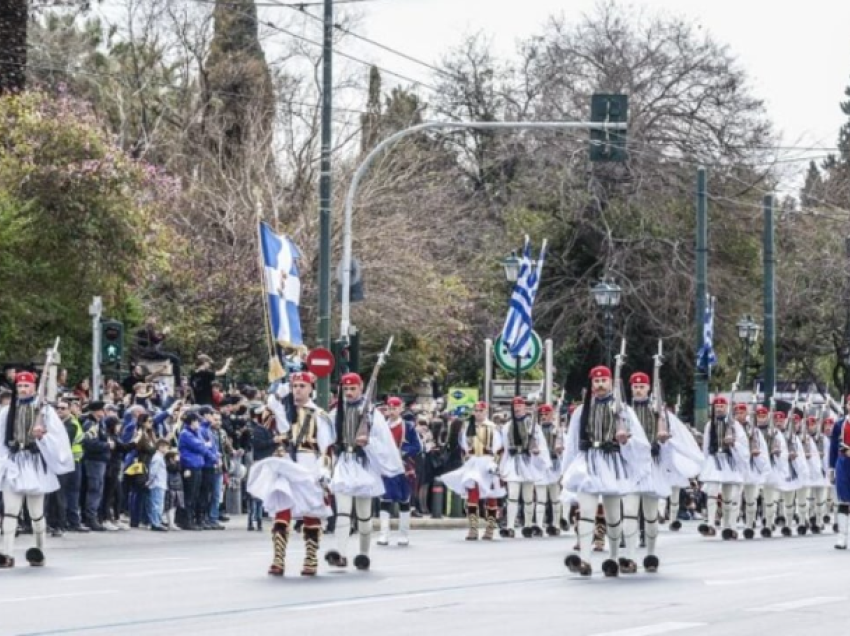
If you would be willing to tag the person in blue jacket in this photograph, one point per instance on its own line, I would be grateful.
(208, 474)
(839, 473)
(397, 489)
(194, 454)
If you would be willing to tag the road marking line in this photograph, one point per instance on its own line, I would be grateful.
(84, 577)
(41, 597)
(650, 630)
(754, 579)
(148, 560)
(803, 602)
(362, 601)
(137, 575)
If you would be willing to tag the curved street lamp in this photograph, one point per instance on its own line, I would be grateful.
(607, 295)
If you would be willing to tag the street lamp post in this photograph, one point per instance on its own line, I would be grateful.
(748, 332)
(511, 265)
(607, 294)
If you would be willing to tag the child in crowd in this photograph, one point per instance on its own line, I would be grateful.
(157, 485)
(174, 497)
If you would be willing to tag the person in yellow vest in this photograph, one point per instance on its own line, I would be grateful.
(70, 483)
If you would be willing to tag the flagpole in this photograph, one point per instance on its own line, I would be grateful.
(264, 294)
(263, 291)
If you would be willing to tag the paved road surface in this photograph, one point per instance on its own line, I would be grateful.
(140, 582)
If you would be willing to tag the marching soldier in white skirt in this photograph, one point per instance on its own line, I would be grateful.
(784, 478)
(549, 491)
(817, 454)
(828, 425)
(606, 456)
(477, 481)
(525, 462)
(801, 496)
(675, 457)
(290, 484)
(363, 452)
(758, 466)
(34, 451)
(727, 455)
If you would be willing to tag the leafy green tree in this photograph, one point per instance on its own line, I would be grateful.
(77, 219)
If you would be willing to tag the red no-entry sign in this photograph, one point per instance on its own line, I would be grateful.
(320, 362)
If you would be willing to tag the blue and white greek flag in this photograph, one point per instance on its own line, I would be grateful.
(283, 286)
(516, 335)
(705, 357)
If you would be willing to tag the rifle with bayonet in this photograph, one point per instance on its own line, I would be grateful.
(369, 394)
(663, 432)
(619, 361)
(728, 426)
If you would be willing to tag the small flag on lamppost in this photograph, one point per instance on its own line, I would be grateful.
(706, 358)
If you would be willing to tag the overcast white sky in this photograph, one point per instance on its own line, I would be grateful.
(796, 53)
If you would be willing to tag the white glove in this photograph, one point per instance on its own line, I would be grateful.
(282, 390)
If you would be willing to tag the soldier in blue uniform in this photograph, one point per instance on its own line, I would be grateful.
(397, 488)
(839, 473)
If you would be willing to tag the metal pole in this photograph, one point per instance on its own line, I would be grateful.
(769, 298)
(701, 377)
(488, 373)
(549, 366)
(518, 374)
(389, 141)
(609, 336)
(324, 326)
(746, 362)
(95, 310)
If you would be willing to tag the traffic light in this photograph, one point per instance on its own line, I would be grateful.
(354, 351)
(341, 353)
(608, 145)
(111, 342)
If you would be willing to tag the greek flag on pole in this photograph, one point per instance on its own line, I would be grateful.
(705, 357)
(283, 286)
(516, 335)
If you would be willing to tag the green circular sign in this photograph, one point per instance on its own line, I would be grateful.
(505, 360)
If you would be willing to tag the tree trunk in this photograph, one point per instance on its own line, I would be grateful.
(13, 45)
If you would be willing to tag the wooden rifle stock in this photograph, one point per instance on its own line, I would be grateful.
(365, 426)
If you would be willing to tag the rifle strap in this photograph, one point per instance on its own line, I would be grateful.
(305, 425)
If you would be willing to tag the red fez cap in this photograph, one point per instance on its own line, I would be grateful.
(639, 378)
(302, 376)
(394, 401)
(481, 406)
(720, 400)
(351, 379)
(518, 401)
(740, 406)
(545, 408)
(25, 377)
(812, 419)
(779, 415)
(762, 410)
(600, 372)
(829, 420)
(797, 417)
